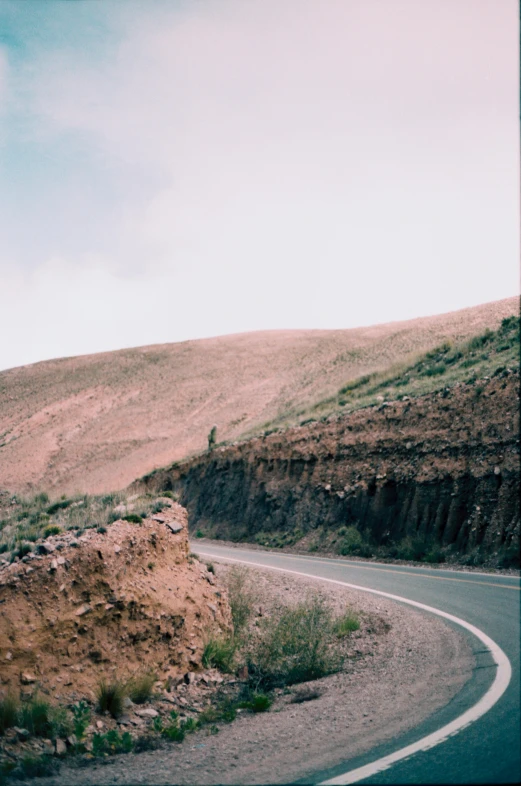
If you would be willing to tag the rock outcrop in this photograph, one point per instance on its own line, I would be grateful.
(444, 466)
(112, 604)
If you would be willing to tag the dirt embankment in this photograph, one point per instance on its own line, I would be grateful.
(111, 604)
(444, 467)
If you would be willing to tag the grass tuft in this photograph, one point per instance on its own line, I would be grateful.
(110, 696)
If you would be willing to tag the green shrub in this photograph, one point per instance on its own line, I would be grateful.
(62, 504)
(257, 702)
(199, 534)
(110, 697)
(111, 742)
(219, 653)
(241, 598)
(43, 720)
(140, 688)
(346, 624)
(81, 718)
(8, 712)
(295, 647)
(133, 518)
(352, 542)
(52, 529)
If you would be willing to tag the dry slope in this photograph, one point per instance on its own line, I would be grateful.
(94, 423)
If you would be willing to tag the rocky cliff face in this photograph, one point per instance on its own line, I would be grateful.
(112, 604)
(443, 468)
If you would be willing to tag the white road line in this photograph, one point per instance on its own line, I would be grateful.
(494, 693)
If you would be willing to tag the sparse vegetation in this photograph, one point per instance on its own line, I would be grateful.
(219, 652)
(43, 720)
(140, 688)
(111, 743)
(440, 367)
(241, 597)
(297, 646)
(346, 624)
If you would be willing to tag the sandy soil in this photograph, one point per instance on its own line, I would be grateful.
(403, 667)
(95, 423)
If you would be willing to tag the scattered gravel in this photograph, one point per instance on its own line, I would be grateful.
(403, 666)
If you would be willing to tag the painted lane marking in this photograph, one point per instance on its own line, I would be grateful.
(325, 561)
(493, 694)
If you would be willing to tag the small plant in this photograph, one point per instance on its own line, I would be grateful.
(241, 597)
(346, 624)
(151, 565)
(140, 688)
(62, 504)
(102, 530)
(110, 697)
(52, 529)
(170, 495)
(210, 567)
(42, 720)
(111, 742)
(8, 712)
(212, 436)
(199, 534)
(133, 518)
(258, 702)
(219, 653)
(81, 716)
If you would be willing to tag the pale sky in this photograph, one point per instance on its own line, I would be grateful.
(175, 170)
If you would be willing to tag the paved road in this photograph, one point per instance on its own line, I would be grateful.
(487, 751)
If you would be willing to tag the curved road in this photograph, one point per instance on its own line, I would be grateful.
(489, 749)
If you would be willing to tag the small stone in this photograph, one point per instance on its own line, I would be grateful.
(159, 517)
(61, 560)
(175, 528)
(22, 734)
(99, 724)
(117, 549)
(147, 713)
(62, 587)
(497, 470)
(108, 606)
(72, 740)
(83, 610)
(212, 607)
(53, 566)
(27, 679)
(189, 677)
(408, 445)
(9, 656)
(60, 748)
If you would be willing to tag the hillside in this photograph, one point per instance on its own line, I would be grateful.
(94, 423)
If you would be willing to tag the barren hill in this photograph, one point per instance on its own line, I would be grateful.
(96, 422)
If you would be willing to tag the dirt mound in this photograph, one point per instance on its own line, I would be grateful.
(114, 604)
(95, 423)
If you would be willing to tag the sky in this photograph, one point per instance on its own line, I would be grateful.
(180, 169)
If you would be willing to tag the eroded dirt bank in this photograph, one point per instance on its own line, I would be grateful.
(443, 467)
(109, 604)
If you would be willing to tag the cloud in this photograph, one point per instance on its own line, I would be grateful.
(270, 164)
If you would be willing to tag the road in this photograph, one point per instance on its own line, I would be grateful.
(489, 749)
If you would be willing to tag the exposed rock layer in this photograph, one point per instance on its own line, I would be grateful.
(444, 466)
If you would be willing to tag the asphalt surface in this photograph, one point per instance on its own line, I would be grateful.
(487, 751)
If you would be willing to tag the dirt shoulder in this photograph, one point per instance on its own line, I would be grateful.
(402, 666)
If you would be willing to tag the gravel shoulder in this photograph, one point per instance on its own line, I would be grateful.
(403, 665)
